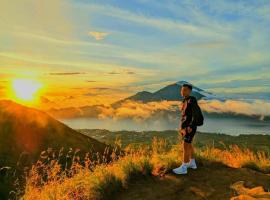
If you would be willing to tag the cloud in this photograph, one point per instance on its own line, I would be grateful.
(98, 35)
(90, 94)
(226, 40)
(118, 72)
(130, 72)
(66, 73)
(163, 24)
(210, 39)
(100, 88)
(95, 91)
(253, 108)
(36, 16)
(114, 73)
(128, 110)
(208, 45)
(45, 100)
(140, 112)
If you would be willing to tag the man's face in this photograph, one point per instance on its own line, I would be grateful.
(185, 91)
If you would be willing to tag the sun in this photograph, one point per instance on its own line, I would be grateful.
(26, 90)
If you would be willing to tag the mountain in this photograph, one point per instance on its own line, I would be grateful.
(170, 93)
(30, 131)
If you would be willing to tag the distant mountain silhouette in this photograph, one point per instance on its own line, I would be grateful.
(170, 93)
(30, 131)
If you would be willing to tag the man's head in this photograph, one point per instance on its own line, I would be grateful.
(186, 90)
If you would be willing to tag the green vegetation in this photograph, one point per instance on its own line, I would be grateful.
(221, 141)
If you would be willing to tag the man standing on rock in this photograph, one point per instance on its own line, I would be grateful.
(191, 117)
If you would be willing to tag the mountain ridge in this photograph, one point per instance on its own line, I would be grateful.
(170, 92)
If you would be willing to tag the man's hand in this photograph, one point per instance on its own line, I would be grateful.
(182, 132)
(189, 129)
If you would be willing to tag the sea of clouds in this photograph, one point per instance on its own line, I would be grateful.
(142, 111)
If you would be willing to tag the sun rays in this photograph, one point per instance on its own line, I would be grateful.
(27, 91)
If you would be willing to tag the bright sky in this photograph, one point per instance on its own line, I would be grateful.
(98, 51)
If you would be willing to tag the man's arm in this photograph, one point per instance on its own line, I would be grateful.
(193, 104)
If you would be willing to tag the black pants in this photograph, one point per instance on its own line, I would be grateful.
(189, 136)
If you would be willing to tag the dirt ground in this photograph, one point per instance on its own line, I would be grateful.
(207, 182)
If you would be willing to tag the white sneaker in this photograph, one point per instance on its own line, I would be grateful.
(181, 170)
(192, 164)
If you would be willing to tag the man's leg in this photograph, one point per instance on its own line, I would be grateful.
(192, 163)
(191, 152)
(188, 140)
(186, 152)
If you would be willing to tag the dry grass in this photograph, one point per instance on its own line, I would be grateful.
(235, 157)
(98, 180)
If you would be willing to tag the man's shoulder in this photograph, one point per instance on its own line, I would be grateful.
(192, 99)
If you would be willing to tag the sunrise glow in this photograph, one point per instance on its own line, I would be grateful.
(26, 90)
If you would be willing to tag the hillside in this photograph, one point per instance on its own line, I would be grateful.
(145, 173)
(31, 131)
(26, 133)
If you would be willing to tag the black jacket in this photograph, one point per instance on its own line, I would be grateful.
(187, 112)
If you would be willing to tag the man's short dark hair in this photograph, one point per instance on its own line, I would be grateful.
(188, 86)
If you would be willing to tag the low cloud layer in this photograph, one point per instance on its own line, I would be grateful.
(169, 109)
(254, 108)
(140, 111)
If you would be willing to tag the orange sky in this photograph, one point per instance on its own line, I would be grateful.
(84, 52)
(63, 90)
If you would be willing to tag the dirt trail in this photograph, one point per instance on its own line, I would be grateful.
(207, 182)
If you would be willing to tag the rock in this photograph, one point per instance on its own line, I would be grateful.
(244, 193)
